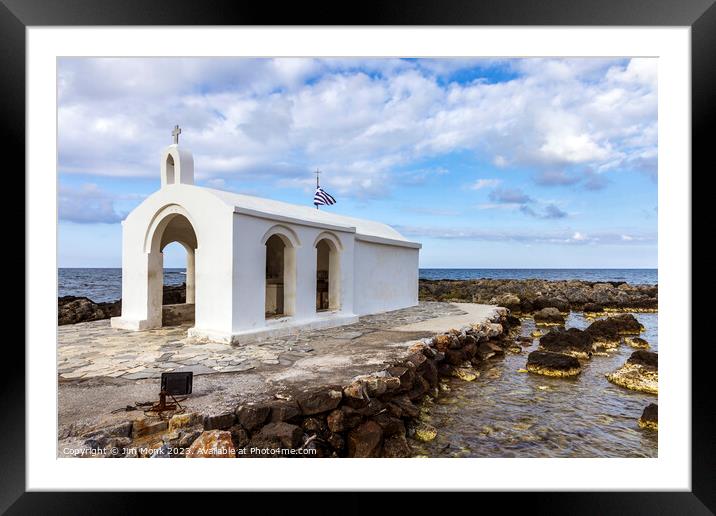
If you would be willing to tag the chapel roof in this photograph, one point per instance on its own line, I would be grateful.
(363, 227)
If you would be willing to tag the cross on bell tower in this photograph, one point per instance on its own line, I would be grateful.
(175, 134)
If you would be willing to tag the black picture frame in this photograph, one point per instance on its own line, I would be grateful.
(17, 15)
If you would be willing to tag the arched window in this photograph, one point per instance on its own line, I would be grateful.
(328, 276)
(170, 170)
(280, 298)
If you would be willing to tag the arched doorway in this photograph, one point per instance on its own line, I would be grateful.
(280, 298)
(327, 275)
(167, 307)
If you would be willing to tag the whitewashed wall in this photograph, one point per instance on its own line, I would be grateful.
(386, 277)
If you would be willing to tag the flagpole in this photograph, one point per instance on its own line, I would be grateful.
(317, 185)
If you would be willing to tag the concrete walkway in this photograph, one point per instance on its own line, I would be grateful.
(472, 313)
(101, 370)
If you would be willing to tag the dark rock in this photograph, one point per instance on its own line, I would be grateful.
(430, 373)
(650, 417)
(343, 418)
(373, 407)
(365, 440)
(469, 350)
(549, 315)
(512, 321)
(285, 434)
(186, 438)
(611, 328)
(322, 400)
(390, 424)
(417, 359)
(401, 406)
(313, 425)
(76, 309)
(592, 308)
(552, 364)
(573, 342)
(445, 369)
(219, 421)
(252, 416)
(561, 305)
(488, 349)
(404, 374)
(396, 446)
(336, 441)
(644, 358)
(282, 410)
(454, 357)
(239, 436)
(637, 342)
(535, 294)
(420, 388)
(73, 309)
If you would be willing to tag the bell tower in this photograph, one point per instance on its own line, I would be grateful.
(177, 164)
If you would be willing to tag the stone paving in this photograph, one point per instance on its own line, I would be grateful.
(94, 349)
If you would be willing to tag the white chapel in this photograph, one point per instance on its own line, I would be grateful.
(257, 267)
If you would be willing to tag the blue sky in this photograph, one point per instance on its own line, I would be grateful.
(489, 163)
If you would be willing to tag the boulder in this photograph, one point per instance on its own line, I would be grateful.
(488, 349)
(239, 436)
(637, 342)
(639, 373)
(396, 446)
(549, 316)
(644, 358)
(212, 444)
(650, 417)
(573, 341)
(252, 416)
(592, 308)
(185, 420)
(401, 406)
(607, 332)
(283, 410)
(219, 421)
(322, 400)
(509, 301)
(390, 425)
(365, 440)
(285, 435)
(548, 363)
(343, 418)
(561, 305)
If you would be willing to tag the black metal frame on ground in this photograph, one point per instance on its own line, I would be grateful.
(17, 15)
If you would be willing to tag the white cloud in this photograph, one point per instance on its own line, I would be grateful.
(484, 183)
(362, 121)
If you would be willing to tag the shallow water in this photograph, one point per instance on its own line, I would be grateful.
(505, 413)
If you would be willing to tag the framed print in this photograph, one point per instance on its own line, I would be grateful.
(421, 249)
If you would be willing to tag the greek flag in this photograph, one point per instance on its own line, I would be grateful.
(321, 197)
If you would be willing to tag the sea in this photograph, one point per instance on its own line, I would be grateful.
(106, 284)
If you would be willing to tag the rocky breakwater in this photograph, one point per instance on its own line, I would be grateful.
(74, 309)
(372, 416)
(639, 373)
(532, 295)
